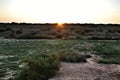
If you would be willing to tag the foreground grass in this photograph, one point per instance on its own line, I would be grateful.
(39, 67)
(13, 51)
(110, 52)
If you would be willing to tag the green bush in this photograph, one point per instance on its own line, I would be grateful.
(39, 67)
(72, 56)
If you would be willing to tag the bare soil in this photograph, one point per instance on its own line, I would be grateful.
(88, 71)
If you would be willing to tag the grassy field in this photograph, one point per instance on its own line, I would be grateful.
(13, 51)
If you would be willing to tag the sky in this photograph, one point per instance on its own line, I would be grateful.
(64, 11)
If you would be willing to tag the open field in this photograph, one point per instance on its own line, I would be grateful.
(12, 51)
(55, 31)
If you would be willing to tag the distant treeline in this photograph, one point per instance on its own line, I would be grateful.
(82, 24)
(69, 31)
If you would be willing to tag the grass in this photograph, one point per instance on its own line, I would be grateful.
(13, 51)
(110, 52)
(39, 67)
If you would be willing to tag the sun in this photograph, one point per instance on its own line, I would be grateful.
(60, 25)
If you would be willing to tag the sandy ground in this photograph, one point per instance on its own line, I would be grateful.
(88, 71)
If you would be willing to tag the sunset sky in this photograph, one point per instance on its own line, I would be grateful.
(64, 11)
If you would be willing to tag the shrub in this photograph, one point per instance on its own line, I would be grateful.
(82, 57)
(40, 67)
(2, 30)
(71, 56)
(59, 36)
(8, 29)
(33, 36)
(19, 31)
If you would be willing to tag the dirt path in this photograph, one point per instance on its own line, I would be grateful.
(88, 71)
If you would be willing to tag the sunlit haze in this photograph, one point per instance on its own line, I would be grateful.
(60, 25)
(64, 11)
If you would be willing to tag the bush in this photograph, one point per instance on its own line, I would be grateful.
(33, 36)
(59, 36)
(2, 30)
(82, 57)
(73, 57)
(19, 31)
(40, 67)
(8, 29)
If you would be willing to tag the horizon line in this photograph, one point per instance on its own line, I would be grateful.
(53, 23)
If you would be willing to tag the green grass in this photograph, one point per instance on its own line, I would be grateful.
(39, 67)
(110, 52)
(13, 51)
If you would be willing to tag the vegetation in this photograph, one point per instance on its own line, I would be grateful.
(69, 31)
(41, 53)
(19, 31)
(110, 53)
(31, 36)
(39, 67)
(72, 56)
(13, 51)
(2, 30)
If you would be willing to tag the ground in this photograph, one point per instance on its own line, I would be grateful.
(88, 71)
(12, 51)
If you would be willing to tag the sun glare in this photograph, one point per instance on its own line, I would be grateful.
(59, 25)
